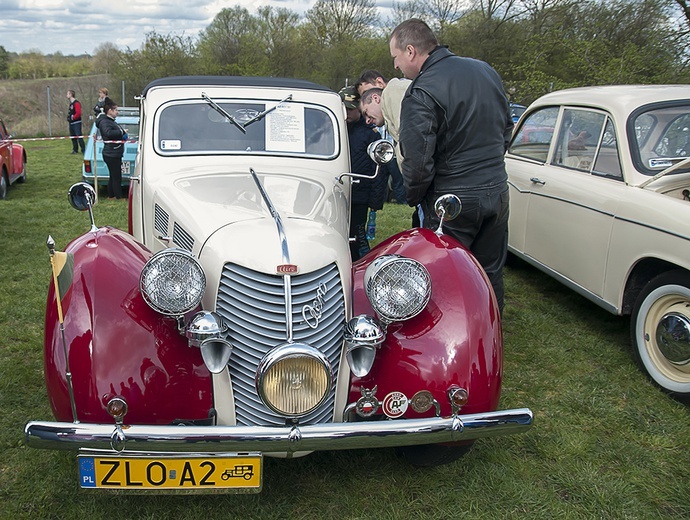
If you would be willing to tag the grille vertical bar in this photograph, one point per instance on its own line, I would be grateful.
(253, 305)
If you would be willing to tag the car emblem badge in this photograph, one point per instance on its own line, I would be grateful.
(395, 404)
(368, 404)
(287, 269)
(312, 313)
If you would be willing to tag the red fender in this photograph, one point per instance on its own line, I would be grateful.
(17, 158)
(456, 340)
(117, 344)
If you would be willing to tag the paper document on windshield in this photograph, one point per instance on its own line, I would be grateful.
(285, 129)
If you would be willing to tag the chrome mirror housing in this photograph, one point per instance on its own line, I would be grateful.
(82, 197)
(447, 207)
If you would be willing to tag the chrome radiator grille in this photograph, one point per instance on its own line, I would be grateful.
(253, 305)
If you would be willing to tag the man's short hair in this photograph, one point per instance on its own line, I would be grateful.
(369, 76)
(417, 33)
(71, 92)
(367, 95)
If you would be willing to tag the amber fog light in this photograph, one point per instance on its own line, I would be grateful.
(458, 397)
(294, 379)
(117, 408)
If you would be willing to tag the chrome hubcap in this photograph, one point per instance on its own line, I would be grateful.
(673, 338)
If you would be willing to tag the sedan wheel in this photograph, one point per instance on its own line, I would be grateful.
(660, 329)
(3, 185)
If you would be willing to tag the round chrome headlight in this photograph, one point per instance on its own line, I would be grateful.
(172, 282)
(398, 288)
(294, 379)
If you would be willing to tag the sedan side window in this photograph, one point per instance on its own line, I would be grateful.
(578, 137)
(533, 138)
(608, 161)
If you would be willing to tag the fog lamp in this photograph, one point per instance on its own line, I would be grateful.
(294, 379)
(398, 288)
(172, 282)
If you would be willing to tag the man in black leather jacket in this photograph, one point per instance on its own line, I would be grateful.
(455, 127)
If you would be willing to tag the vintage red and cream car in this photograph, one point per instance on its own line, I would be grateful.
(230, 322)
(600, 200)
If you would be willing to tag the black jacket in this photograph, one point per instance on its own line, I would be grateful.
(455, 126)
(371, 192)
(111, 131)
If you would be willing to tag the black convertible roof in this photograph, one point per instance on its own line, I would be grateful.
(234, 81)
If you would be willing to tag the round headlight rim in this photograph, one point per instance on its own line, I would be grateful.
(155, 258)
(372, 273)
(281, 353)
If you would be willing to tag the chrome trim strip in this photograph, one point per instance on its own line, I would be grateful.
(290, 439)
(276, 216)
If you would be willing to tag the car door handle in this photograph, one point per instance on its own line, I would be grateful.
(537, 180)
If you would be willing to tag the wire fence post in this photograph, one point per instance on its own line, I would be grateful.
(50, 120)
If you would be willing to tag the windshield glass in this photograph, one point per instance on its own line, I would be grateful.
(195, 127)
(661, 138)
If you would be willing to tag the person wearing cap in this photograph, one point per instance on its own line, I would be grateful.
(385, 114)
(366, 193)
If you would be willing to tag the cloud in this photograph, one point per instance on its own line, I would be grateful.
(78, 27)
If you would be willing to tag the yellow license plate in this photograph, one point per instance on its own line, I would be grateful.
(169, 471)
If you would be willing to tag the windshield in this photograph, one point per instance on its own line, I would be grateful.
(265, 128)
(661, 138)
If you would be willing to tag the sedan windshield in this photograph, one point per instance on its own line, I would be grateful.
(661, 138)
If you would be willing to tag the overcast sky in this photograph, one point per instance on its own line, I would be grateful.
(79, 26)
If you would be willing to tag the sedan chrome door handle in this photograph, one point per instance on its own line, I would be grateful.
(537, 180)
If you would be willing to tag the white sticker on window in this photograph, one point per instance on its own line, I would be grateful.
(285, 129)
(171, 144)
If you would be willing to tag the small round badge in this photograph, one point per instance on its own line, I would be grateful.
(395, 404)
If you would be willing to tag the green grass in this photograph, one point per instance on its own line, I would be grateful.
(605, 444)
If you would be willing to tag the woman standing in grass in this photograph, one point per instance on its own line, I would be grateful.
(113, 149)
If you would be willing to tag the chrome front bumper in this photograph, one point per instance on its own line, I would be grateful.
(290, 439)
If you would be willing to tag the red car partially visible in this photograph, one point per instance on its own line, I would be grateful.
(12, 161)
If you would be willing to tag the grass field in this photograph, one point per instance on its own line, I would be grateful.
(605, 443)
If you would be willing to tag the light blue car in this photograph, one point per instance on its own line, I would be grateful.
(94, 166)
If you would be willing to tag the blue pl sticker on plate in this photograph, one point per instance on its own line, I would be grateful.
(87, 472)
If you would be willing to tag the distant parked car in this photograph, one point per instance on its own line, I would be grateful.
(516, 111)
(600, 200)
(128, 118)
(12, 161)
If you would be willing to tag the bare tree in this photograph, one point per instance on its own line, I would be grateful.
(334, 21)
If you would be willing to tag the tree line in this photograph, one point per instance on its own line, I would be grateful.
(536, 45)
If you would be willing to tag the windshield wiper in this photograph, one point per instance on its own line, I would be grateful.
(222, 112)
(261, 115)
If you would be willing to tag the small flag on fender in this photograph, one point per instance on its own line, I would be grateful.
(63, 271)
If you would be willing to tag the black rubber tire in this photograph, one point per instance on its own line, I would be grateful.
(667, 294)
(22, 177)
(4, 183)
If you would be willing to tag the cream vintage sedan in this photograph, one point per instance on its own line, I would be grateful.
(600, 200)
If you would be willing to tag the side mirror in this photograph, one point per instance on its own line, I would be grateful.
(82, 197)
(447, 207)
(381, 152)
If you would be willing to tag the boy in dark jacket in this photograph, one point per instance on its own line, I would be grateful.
(112, 151)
